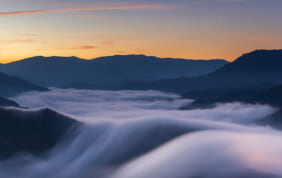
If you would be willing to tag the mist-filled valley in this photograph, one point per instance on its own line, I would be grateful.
(140, 89)
(138, 122)
(133, 134)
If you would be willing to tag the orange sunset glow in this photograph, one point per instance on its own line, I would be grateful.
(181, 29)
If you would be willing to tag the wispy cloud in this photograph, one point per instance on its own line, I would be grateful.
(26, 34)
(5, 41)
(131, 7)
(90, 15)
(83, 47)
(107, 42)
(108, 6)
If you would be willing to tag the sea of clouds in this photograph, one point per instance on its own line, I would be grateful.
(92, 105)
(132, 134)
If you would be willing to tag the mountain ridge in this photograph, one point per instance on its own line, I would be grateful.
(242, 73)
(10, 86)
(60, 71)
(107, 57)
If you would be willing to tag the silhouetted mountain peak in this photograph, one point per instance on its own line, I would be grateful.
(125, 58)
(36, 57)
(47, 59)
(143, 57)
(259, 62)
(63, 58)
(132, 55)
(252, 69)
(258, 56)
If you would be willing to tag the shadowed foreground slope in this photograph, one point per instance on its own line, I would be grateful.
(32, 132)
(7, 102)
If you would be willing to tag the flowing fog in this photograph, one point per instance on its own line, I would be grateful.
(91, 105)
(138, 134)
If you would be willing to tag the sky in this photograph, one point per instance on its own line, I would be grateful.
(191, 29)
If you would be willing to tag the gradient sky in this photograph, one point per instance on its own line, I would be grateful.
(198, 29)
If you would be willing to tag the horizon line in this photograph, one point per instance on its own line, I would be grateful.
(133, 54)
(136, 54)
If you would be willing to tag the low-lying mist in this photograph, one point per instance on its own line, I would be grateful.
(132, 134)
(91, 105)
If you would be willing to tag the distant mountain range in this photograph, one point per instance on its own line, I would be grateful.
(106, 71)
(10, 86)
(253, 77)
(258, 68)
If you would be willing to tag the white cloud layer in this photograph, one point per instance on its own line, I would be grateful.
(91, 105)
(130, 134)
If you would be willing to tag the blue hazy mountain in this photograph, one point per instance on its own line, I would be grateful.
(252, 69)
(208, 98)
(113, 70)
(12, 86)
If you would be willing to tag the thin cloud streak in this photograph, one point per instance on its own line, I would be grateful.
(90, 15)
(134, 7)
(26, 34)
(107, 42)
(85, 47)
(7, 42)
